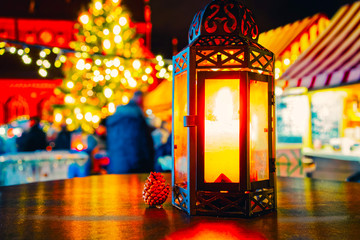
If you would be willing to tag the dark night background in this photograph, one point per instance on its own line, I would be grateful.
(172, 18)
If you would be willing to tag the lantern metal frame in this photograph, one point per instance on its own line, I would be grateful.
(230, 55)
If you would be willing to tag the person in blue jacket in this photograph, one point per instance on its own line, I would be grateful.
(129, 141)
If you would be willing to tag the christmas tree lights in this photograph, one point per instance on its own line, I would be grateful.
(109, 63)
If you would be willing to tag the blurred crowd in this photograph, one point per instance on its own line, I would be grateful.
(126, 142)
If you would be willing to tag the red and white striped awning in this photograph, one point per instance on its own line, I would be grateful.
(334, 58)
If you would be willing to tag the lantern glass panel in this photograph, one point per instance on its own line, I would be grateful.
(221, 158)
(259, 141)
(180, 132)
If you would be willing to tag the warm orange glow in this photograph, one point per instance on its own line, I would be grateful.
(180, 132)
(221, 130)
(46, 36)
(259, 160)
(80, 147)
(215, 231)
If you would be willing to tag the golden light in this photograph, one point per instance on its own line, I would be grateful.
(109, 63)
(20, 52)
(107, 44)
(27, 50)
(68, 121)
(108, 92)
(69, 99)
(277, 76)
(79, 116)
(83, 99)
(26, 59)
(106, 31)
(2, 51)
(88, 116)
(98, 5)
(161, 63)
(136, 64)
(114, 73)
(144, 78)
(148, 70)
(108, 71)
(117, 39)
(80, 65)
(159, 58)
(95, 119)
(115, 1)
(132, 82)
(62, 58)
(287, 61)
(70, 84)
(124, 99)
(116, 62)
(58, 117)
(98, 62)
(170, 68)
(87, 66)
(84, 18)
(42, 53)
(79, 147)
(42, 72)
(56, 50)
(90, 93)
(111, 107)
(107, 77)
(77, 110)
(57, 64)
(116, 29)
(96, 72)
(277, 70)
(46, 64)
(127, 74)
(278, 64)
(122, 21)
(12, 49)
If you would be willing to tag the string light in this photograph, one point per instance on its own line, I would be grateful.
(42, 72)
(84, 19)
(88, 65)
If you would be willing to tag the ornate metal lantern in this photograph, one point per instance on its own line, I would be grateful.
(223, 116)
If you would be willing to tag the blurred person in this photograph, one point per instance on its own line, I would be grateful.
(63, 139)
(160, 134)
(35, 139)
(129, 142)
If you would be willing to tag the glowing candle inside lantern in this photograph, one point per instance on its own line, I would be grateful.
(221, 159)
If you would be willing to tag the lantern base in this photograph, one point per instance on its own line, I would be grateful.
(248, 204)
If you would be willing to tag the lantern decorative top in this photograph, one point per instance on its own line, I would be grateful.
(227, 18)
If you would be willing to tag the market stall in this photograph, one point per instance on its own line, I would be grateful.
(289, 41)
(323, 89)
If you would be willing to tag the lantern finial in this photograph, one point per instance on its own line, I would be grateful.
(226, 18)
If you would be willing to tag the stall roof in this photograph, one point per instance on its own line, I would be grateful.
(160, 99)
(334, 58)
(279, 40)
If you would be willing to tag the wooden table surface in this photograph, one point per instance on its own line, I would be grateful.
(111, 207)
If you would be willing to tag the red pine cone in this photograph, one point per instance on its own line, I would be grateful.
(155, 191)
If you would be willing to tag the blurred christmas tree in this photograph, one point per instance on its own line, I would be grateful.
(110, 63)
